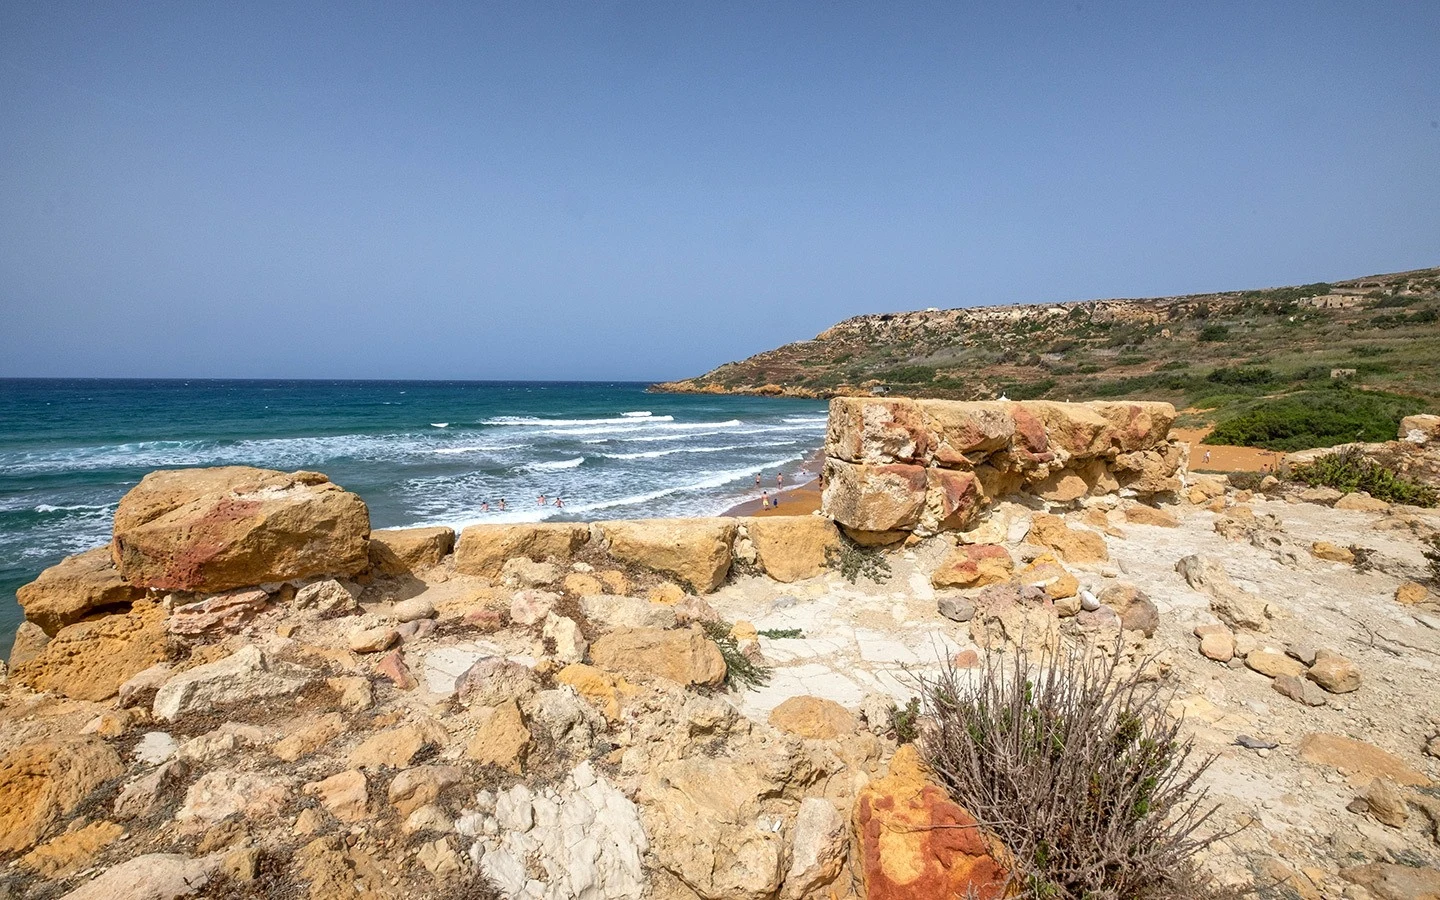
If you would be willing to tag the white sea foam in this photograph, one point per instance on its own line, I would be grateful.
(626, 419)
(639, 414)
(473, 448)
(439, 424)
(560, 464)
(806, 420)
(79, 507)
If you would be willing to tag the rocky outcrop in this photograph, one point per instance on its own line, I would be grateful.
(682, 656)
(247, 674)
(75, 587)
(41, 783)
(483, 549)
(696, 551)
(914, 842)
(790, 548)
(90, 660)
(934, 465)
(401, 551)
(210, 530)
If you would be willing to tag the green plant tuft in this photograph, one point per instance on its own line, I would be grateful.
(854, 561)
(741, 674)
(1350, 470)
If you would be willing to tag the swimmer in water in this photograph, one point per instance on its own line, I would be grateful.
(485, 507)
(559, 504)
(502, 504)
(542, 499)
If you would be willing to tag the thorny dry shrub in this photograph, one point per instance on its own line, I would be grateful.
(1077, 769)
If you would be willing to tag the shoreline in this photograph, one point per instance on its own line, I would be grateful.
(800, 500)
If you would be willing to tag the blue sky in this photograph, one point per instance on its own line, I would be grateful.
(640, 191)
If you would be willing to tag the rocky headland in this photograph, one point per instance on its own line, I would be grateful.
(250, 692)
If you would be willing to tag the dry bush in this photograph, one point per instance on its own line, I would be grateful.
(1077, 769)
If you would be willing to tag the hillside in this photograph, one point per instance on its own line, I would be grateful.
(1260, 365)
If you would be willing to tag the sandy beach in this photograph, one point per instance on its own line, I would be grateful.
(801, 500)
(1225, 458)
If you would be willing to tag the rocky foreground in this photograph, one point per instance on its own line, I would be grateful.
(250, 693)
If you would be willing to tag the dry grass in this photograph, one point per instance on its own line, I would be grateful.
(1077, 769)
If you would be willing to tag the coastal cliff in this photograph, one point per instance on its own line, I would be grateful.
(249, 692)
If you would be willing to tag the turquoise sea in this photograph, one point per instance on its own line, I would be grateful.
(417, 452)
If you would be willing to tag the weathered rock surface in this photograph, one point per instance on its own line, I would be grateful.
(789, 548)
(914, 842)
(502, 738)
(974, 565)
(41, 783)
(684, 656)
(1359, 760)
(153, 876)
(216, 614)
(90, 660)
(483, 549)
(874, 499)
(244, 675)
(210, 530)
(69, 590)
(813, 717)
(1232, 605)
(1072, 545)
(696, 551)
(401, 551)
(1334, 673)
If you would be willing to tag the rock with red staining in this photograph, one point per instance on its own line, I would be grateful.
(915, 843)
(392, 666)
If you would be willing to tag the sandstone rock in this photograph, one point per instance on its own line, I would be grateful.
(530, 607)
(338, 872)
(869, 498)
(543, 851)
(1046, 573)
(1361, 501)
(1334, 673)
(877, 432)
(153, 876)
(344, 795)
(1328, 551)
(955, 608)
(495, 680)
(568, 722)
(327, 597)
(1410, 593)
(914, 842)
(1420, 427)
(421, 786)
(70, 851)
(438, 858)
(41, 783)
(356, 694)
(373, 640)
(67, 592)
(218, 795)
(1134, 424)
(582, 585)
(1232, 605)
(1136, 610)
(416, 630)
(1391, 881)
(1273, 663)
(1384, 801)
(627, 612)
(818, 846)
(1202, 489)
(615, 581)
(90, 660)
(570, 645)
(145, 794)
(668, 593)
(813, 717)
(30, 640)
(413, 609)
(310, 735)
(696, 551)
(210, 530)
(401, 551)
(1299, 690)
(393, 668)
(397, 747)
(1140, 514)
(685, 657)
(1325, 496)
(1151, 472)
(243, 676)
(790, 548)
(974, 565)
(606, 691)
(964, 433)
(1362, 762)
(1072, 545)
(483, 549)
(218, 613)
(953, 501)
(522, 571)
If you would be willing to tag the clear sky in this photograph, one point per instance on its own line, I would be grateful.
(641, 191)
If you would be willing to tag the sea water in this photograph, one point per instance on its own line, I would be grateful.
(418, 453)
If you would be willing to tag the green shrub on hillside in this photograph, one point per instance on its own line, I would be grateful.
(1214, 333)
(1322, 418)
(1349, 470)
(907, 374)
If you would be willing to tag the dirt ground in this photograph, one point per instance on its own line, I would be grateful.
(1225, 458)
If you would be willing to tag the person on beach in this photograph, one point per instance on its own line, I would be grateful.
(779, 478)
(1207, 456)
(764, 499)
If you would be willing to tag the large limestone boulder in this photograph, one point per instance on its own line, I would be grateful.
(914, 842)
(1075, 429)
(1073, 545)
(210, 530)
(877, 432)
(874, 498)
(790, 548)
(1419, 428)
(953, 500)
(243, 676)
(41, 783)
(964, 433)
(684, 656)
(69, 590)
(400, 551)
(483, 549)
(974, 566)
(90, 660)
(153, 876)
(1136, 425)
(696, 551)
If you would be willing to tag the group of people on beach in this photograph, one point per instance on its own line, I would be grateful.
(542, 499)
(765, 501)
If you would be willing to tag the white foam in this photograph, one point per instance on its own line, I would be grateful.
(640, 414)
(626, 419)
(655, 454)
(79, 507)
(561, 464)
(474, 448)
(439, 424)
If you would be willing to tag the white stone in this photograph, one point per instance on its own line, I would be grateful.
(243, 676)
(154, 748)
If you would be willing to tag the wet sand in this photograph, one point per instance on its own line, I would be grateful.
(801, 500)
(1224, 458)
